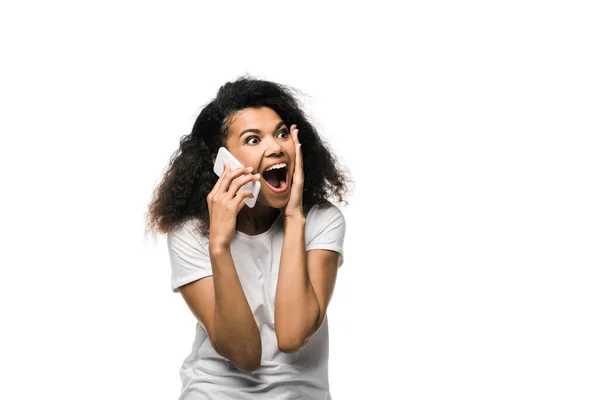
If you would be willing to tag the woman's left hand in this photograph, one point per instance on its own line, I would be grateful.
(294, 205)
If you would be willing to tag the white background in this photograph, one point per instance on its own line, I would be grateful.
(471, 133)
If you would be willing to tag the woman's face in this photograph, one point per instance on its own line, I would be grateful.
(259, 138)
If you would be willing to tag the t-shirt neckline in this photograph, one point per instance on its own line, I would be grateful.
(246, 237)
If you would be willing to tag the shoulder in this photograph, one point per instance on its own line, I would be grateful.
(325, 228)
(325, 221)
(324, 212)
(187, 233)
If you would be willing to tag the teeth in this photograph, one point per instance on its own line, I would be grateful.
(281, 183)
(280, 165)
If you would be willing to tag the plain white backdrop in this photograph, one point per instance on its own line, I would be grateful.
(471, 132)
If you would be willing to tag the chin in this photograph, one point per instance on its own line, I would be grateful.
(274, 203)
(278, 204)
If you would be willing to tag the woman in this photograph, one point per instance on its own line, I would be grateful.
(258, 280)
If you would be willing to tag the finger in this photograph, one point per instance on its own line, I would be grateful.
(238, 183)
(220, 180)
(239, 198)
(230, 176)
(295, 134)
(299, 159)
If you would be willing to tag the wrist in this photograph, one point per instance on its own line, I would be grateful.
(218, 248)
(295, 218)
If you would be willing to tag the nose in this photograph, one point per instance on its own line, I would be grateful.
(274, 148)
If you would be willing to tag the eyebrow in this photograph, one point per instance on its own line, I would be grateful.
(279, 125)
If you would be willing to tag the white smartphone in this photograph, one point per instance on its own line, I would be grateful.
(254, 186)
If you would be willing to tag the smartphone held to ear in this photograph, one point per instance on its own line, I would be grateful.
(225, 155)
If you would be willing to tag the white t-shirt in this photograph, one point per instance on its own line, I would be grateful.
(303, 375)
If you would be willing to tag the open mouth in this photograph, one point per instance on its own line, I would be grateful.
(276, 179)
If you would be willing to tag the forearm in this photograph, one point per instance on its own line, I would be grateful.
(236, 334)
(296, 305)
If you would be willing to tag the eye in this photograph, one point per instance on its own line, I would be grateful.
(284, 131)
(250, 138)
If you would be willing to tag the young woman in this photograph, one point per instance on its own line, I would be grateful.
(258, 280)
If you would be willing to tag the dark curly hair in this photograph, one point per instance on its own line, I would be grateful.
(182, 193)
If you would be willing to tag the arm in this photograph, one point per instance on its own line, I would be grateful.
(225, 311)
(306, 279)
(218, 302)
(304, 288)
(296, 306)
(237, 337)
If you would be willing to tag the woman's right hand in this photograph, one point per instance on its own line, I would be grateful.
(224, 204)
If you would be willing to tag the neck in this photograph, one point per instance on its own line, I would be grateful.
(254, 221)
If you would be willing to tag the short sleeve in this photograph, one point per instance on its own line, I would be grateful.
(189, 257)
(325, 229)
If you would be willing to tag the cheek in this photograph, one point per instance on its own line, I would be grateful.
(249, 161)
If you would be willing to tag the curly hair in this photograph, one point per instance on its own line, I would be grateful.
(182, 193)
